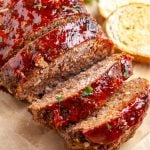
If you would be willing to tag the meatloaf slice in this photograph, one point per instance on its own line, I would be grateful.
(54, 56)
(115, 122)
(28, 19)
(79, 96)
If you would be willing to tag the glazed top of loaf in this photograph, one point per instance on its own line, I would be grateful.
(25, 18)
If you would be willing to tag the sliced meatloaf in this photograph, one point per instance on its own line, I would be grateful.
(54, 56)
(26, 20)
(3, 10)
(115, 122)
(79, 96)
(79, 58)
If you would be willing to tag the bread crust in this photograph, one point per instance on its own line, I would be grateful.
(133, 36)
(107, 7)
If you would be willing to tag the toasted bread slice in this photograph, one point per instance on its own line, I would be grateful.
(106, 7)
(129, 29)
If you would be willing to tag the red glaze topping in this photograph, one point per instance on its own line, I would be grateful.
(29, 16)
(130, 117)
(51, 46)
(79, 107)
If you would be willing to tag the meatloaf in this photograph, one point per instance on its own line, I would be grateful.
(26, 20)
(54, 56)
(3, 10)
(115, 122)
(79, 96)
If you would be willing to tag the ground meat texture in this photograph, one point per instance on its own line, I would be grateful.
(43, 58)
(71, 63)
(78, 97)
(26, 20)
(115, 122)
(5, 4)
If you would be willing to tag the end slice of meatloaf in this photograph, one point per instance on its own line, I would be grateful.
(79, 96)
(115, 122)
(26, 20)
(55, 56)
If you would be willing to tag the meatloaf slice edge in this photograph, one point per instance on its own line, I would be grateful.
(50, 56)
(27, 20)
(115, 122)
(78, 59)
(76, 98)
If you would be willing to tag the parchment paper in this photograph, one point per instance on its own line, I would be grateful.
(19, 132)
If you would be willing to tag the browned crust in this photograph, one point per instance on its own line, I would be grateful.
(138, 55)
(86, 145)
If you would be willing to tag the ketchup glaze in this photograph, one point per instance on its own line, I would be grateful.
(78, 107)
(130, 117)
(49, 47)
(25, 18)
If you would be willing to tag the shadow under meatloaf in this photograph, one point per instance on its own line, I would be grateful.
(55, 56)
(27, 20)
(76, 98)
(115, 122)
